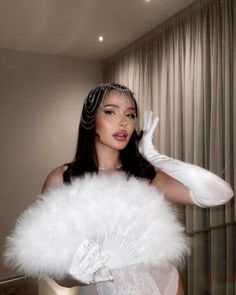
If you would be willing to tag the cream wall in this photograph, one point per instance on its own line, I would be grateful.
(40, 103)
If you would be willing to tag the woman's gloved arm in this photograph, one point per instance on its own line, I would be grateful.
(205, 188)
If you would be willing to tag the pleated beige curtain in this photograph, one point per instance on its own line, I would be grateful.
(185, 72)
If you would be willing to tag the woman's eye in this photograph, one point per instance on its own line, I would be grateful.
(108, 112)
(132, 116)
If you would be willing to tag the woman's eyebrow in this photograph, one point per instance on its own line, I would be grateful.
(111, 105)
(116, 106)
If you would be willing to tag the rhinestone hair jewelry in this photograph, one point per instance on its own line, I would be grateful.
(97, 96)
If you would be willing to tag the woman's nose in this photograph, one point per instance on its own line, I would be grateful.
(123, 121)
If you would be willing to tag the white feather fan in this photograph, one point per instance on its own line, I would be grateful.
(129, 219)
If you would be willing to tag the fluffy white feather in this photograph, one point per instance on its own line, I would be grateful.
(129, 219)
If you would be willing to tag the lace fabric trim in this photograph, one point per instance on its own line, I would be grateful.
(132, 280)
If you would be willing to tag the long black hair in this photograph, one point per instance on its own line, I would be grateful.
(85, 160)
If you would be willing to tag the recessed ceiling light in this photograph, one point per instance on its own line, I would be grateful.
(100, 38)
(147, 0)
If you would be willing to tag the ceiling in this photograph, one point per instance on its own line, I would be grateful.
(72, 27)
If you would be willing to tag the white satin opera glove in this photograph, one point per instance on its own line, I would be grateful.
(206, 188)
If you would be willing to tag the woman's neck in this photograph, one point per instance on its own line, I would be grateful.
(108, 159)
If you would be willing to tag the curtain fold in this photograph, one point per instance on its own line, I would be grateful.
(185, 72)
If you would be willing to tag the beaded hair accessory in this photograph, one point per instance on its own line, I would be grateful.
(97, 96)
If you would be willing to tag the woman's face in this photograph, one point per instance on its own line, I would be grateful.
(116, 121)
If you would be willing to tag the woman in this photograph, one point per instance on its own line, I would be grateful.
(108, 142)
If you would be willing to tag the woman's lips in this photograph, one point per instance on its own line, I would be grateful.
(120, 136)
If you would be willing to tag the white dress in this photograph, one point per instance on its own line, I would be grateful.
(166, 279)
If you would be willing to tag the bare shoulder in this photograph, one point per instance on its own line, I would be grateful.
(54, 178)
